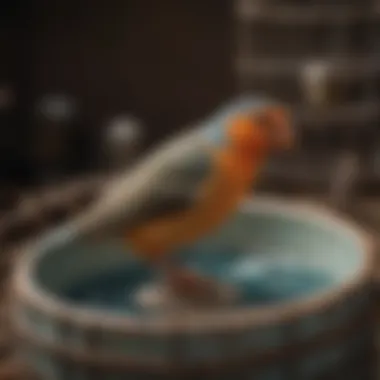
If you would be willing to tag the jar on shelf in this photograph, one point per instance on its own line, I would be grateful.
(54, 117)
(122, 140)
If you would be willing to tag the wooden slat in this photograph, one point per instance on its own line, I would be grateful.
(317, 14)
(354, 66)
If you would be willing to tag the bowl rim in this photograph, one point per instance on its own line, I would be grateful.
(30, 293)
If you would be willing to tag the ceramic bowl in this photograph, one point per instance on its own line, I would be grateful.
(304, 273)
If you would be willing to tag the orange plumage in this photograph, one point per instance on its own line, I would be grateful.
(235, 167)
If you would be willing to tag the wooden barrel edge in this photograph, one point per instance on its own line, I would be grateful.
(225, 364)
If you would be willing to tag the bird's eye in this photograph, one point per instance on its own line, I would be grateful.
(265, 121)
(272, 118)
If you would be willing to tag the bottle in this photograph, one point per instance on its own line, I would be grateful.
(55, 114)
(122, 140)
(315, 82)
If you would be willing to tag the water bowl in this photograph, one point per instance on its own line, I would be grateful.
(304, 279)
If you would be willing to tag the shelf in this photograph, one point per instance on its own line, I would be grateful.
(346, 66)
(303, 171)
(250, 11)
(358, 113)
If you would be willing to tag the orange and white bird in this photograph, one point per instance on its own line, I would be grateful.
(190, 185)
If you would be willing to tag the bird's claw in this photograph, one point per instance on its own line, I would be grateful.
(180, 288)
(197, 290)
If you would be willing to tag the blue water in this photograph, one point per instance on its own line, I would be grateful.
(260, 281)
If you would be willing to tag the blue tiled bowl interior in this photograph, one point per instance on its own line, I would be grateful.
(271, 257)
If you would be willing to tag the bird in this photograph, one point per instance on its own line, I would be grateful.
(187, 187)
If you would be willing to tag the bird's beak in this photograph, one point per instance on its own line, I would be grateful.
(283, 130)
(286, 138)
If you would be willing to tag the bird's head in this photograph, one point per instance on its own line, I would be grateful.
(251, 124)
(268, 129)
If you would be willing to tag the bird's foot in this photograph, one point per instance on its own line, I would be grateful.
(191, 286)
(183, 288)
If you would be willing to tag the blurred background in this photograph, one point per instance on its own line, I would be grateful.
(68, 69)
(74, 74)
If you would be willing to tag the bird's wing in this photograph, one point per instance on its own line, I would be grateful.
(174, 189)
(167, 181)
